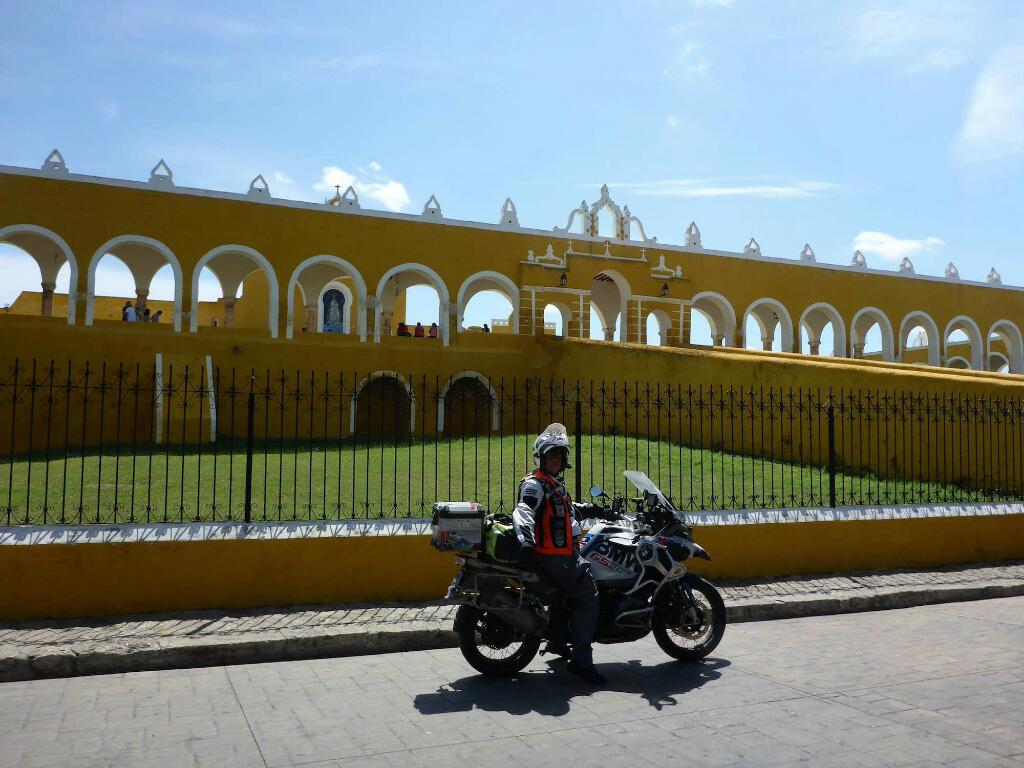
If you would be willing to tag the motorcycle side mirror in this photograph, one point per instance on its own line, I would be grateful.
(596, 492)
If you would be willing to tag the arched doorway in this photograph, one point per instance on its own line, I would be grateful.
(1009, 334)
(144, 258)
(491, 298)
(656, 328)
(469, 405)
(310, 287)
(822, 331)
(57, 268)
(772, 322)
(919, 333)
(609, 293)
(713, 312)
(240, 267)
(557, 317)
(871, 335)
(964, 333)
(383, 407)
(394, 306)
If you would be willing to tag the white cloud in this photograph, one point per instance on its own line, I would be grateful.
(375, 166)
(893, 248)
(109, 110)
(672, 121)
(350, 63)
(718, 188)
(283, 178)
(993, 128)
(915, 36)
(377, 186)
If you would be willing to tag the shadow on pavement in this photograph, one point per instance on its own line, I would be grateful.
(550, 691)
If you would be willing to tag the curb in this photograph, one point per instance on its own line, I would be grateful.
(421, 636)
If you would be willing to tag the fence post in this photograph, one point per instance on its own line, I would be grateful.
(578, 434)
(250, 418)
(831, 453)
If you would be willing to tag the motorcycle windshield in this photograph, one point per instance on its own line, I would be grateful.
(643, 482)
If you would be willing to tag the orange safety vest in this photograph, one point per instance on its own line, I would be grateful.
(552, 530)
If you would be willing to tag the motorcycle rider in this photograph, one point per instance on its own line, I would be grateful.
(543, 521)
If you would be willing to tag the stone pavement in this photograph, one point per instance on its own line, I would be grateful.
(939, 685)
(207, 638)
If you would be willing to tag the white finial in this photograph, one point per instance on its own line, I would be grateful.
(258, 187)
(162, 174)
(906, 266)
(952, 273)
(530, 256)
(549, 253)
(509, 216)
(993, 277)
(859, 261)
(679, 271)
(432, 208)
(54, 163)
(661, 263)
(692, 237)
(807, 254)
(752, 248)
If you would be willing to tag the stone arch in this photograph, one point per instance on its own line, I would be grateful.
(428, 277)
(358, 305)
(30, 237)
(861, 324)
(768, 313)
(720, 315)
(564, 313)
(815, 318)
(376, 376)
(664, 325)
(609, 294)
(442, 405)
(973, 333)
(346, 317)
(1010, 333)
(958, 362)
(273, 290)
(924, 320)
(996, 360)
(488, 281)
(137, 248)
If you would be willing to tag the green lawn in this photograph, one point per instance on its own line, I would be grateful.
(357, 479)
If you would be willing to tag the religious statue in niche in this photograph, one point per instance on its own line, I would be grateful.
(333, 303)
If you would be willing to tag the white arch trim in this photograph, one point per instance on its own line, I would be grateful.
(354, 397)
(784, 316)
(661, 317)
(510, 287)
(964, 360)
(723, 304)
(495, 414)
(273, 290)
(912, 320)
(835, 320)
(436, 282)
(350, 271)
(884, 326)
(32, 229)
(978, 347)
(156, 245)
(1014, 343)
(346, 320)
(564, 314)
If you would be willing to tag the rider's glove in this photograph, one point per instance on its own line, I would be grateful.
(590, 510)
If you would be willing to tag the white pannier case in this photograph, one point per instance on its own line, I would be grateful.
(457, 526)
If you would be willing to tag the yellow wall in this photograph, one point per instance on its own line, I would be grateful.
(74, 580)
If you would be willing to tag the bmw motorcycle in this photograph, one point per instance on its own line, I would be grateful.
(637, 560)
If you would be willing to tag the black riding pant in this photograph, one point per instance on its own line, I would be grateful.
(571, 576)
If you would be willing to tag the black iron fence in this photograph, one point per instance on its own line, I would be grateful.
(114, 444)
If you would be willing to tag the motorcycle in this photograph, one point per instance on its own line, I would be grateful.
(638, 562)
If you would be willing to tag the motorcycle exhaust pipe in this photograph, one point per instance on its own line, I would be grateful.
(523, 619)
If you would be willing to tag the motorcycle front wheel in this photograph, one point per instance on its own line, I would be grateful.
(490, 645)
(683, 635)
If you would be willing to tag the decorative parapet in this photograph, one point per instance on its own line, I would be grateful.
(432, 209)
(161, 175)
(994, 277)
(952, 273)
(692, 236)
(259, 188)
(509, 216)
(54, 163)
(752, 248)
(664, 272)
(628, 220)
(549, 259)
(858, 261)
(807, 254)
(624, 219)
(347, 200)
(906, 266)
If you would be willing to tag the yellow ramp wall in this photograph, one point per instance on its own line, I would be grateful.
(48, 580)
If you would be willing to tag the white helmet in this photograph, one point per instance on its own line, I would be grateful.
(553, 438)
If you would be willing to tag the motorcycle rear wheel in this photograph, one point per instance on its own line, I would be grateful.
(493, 649)
(693, 642)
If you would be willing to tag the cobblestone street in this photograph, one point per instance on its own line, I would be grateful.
(935, 685)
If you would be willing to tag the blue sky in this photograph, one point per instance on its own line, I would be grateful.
(897, 127)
